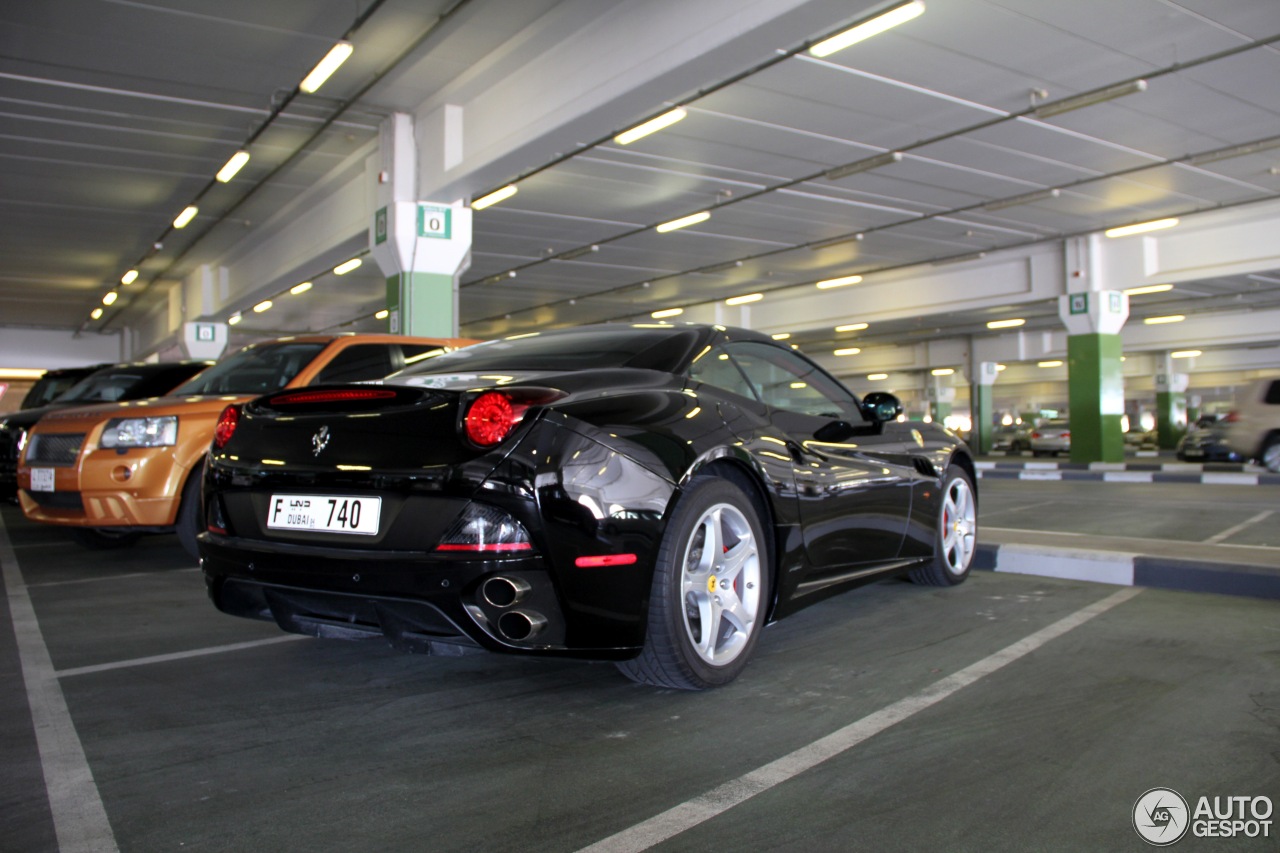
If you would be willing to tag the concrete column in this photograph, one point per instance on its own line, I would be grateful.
(422, 247)
(1171, 404)
(983, 409)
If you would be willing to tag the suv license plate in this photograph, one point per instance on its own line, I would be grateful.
(325, 513)
(42, 479)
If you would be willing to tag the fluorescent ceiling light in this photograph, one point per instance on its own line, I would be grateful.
(829, 283)
(651, 126)
(683, 222)
(942, 371)
(1186, 353)
(130, 277)
(235, 318)
(836, 241)
(1005, 324)
(111, 297)
(1147, 288)
(725, 267)
(667, 312)
(494, 197)
(1158, 321)
(96, 313)
(1000, 367)
(185, 217)
(1049, 364)
(235, 164)
(300, 288)
(576, 253)
(867, 29)
(22, 372)
(876, 377)
(264, 305)
(847, 351)
(781, 336)
(1141, 227)
(744, 299)
(851, 327)
(1088, 99)
(959, 259)
(347, 266)
(863, 165)
(1235, 151)
(1028, 198)
(324, 68)
(382, 315)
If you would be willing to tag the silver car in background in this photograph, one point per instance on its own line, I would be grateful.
(1051, 437)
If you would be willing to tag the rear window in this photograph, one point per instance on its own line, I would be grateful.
(1272, 397)
(105, 386)
(258, 369)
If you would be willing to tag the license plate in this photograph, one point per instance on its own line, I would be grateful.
(42, 479)
(325, 513)
(1191, 453)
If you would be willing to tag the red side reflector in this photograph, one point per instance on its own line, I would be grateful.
(498, 546)
(344, 396)
(601, 560)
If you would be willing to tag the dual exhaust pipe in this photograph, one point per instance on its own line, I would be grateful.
(518, 625)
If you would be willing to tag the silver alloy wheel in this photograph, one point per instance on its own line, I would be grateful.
(1271, 457)
(720, 584)
(959, 525)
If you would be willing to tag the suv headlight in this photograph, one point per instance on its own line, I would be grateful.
(140, 432)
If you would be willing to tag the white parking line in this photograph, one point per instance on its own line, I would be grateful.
(79, 819)
(97, 578)
(1232, 531)
(700, 809)
(172, 656)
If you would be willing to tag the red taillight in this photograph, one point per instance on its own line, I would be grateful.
(347, 395)
(1066, 435)
(1035, 435)
(227, 423)
(1232, 417)
(491, 418)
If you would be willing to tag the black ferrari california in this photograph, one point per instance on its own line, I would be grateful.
(651, 495)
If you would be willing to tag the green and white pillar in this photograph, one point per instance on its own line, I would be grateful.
(1095, 384)
(1171, 404)
(983, 407)
(422, 247)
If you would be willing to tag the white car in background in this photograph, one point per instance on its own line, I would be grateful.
(1253, 427)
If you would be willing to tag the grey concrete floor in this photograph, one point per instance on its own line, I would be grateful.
(289, 744)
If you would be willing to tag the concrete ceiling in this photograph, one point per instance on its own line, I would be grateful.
(115, 114)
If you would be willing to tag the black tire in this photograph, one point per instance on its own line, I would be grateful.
(187, 524)
(956, 538)
(104, 538)
(726, 584)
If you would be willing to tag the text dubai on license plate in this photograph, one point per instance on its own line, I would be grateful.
(327, 513)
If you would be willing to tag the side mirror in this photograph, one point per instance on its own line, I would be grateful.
(834, 432)
(879, 407)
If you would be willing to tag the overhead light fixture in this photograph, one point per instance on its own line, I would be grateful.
(1235, 151)
(837, 241)
(130, 277)
(1160, 321)
(185, 217)
(1186, 353)
(347, 266)
(847, 351)
(1006, 324)
(110, 297)
(300, 288)
(851, 327)
(1142, 227)
(264, 305)
(744, 299)
(324, 69)
(494, 197)
(234, 165)
(653, 125)
(20, 373)
(1088, 99)
(382, 315)
(1147, 288)
(876, 377)
(827, 284)
(95, 314)
(235, 318)
(1000, 367)
(781, 336)
(667, 312)
(942, 371)
(576, 253)
(959, 259)
(683, 222)
(1049, 364)
(869, 163)
(865, 30)
(1028, 198)
(725, 267)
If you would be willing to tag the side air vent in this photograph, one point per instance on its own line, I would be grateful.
(924, 466)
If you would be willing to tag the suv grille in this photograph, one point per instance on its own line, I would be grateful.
(56, 449)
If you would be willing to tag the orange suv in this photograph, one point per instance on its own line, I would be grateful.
(112, 472)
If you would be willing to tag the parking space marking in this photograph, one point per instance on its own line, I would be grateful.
(1232, 531)
(79, 818)
(172, 656)
(687, 815)
(98, 578)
